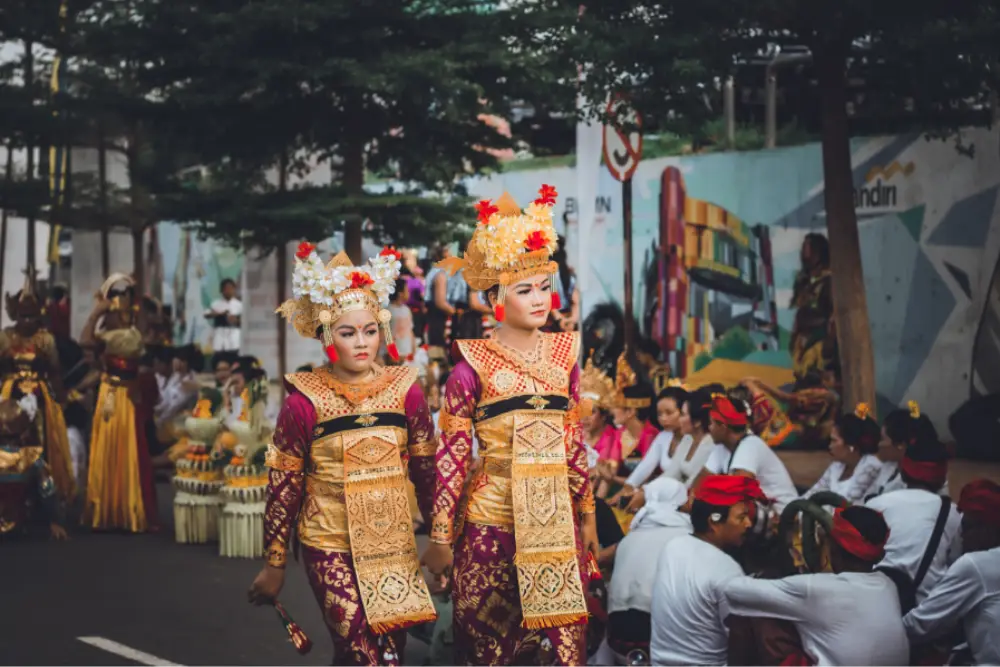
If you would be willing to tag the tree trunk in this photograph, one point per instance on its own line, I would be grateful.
(8, 180)
(850, 308)
(354, 182)
(282, 277)
(138, 267)
(102, 174)
(29, 85)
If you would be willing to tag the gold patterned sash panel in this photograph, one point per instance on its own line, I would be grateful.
(356, 497)
(393, 591)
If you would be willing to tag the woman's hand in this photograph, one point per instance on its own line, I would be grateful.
(438, 559)
(58, 533)
(266, 587)
(588, 534)
(637, 503)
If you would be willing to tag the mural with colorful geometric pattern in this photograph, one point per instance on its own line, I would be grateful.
(716, 242)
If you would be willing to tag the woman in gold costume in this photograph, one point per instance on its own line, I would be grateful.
(31, 366)
(519, 554)
(120, 491)
(347, 437)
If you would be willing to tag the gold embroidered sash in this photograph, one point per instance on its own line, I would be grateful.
(548, 572)
(393, 592)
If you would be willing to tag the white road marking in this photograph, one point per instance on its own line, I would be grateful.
(127, 652)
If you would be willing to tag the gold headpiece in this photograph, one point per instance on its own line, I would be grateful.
(914, 409)
(862, 411)
(624, 378)
(509, 245)
(26, 304)
(323, 294)
(595, 385)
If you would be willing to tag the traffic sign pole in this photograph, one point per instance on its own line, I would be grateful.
(627, 228)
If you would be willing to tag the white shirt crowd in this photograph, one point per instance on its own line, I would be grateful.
(849, 618)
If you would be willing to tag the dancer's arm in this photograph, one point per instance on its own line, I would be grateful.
(422, 447)
(286, 458)
(579, 471)
(454, 449)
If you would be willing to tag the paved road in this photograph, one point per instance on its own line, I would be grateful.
(178, 604)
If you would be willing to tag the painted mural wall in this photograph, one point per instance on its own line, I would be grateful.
(716, 242)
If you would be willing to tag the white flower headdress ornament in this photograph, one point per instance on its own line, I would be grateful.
(510, 245)
(323, 293)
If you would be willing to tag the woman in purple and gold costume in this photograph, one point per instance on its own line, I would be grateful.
(345, 439)
(522, 559)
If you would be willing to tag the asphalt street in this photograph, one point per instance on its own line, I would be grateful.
(116, 599)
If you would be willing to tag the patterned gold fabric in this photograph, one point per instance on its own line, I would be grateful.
(278, 460)
(356, 497)
(535, 497)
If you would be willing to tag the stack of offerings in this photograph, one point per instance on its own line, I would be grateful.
(241, 527)
(199, 479)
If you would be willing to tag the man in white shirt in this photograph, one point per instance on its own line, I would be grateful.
(912, 515)
(740, 452)
(688, 606)
(969, 592)
(225, 316)
(851, 617)
(180, 392)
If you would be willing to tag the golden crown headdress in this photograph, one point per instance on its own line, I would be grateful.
(322, 294)
(624, 378)
(509, 245)
(595, 385)
(27, 302)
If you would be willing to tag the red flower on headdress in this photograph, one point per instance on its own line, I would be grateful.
(547, 196)
(536, 241)
(486, 208)
(390, 251)
(305, 249)
(360, 279)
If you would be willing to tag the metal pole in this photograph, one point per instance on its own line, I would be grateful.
(729, 109)
(627, 224)
(771, 111)
(29, 85)
(102, 175)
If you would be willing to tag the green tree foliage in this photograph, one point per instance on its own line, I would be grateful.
(934, 61)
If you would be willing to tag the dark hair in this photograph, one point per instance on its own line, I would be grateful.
(304, 368)
(647, 413)
(740, 393)
(192, 355)
(227, 281)
(699, 405)
(924, 450)
(58, 293)
(714, 388)
(400, 287)
(820, 245)
(813, 379)
(700, 513)
(903, 429)
(861, 433)
(869, 523)
(676, 393)
(443, 378)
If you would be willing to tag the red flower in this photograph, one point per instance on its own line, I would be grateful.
(547, 196)
(305, 249)
(536, 241)
(390, 251)
(360, 279)
(485, 209)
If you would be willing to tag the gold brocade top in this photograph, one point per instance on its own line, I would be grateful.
(122, 343)
(36, 354)
(486, 391)
(389, 408)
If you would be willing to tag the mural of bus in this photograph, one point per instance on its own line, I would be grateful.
(710, 282)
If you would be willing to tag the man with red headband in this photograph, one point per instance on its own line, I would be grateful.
(848, 617)
(925, 526)
(688, 613)
(969, 593)
(739, 452)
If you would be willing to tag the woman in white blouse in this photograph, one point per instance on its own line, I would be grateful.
(853, 442)
(680, 451)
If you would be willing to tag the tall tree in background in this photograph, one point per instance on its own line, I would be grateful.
(394, 89)
(932, 60)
